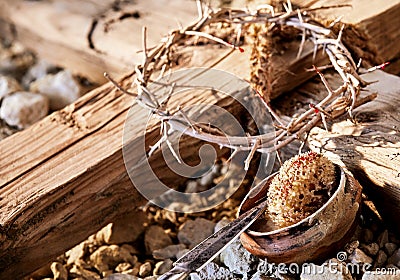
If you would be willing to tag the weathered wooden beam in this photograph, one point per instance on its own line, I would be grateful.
(89, 38)
(370, 148)
(372, 29)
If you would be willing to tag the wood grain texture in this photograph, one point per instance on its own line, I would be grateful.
(370, 148)
(59, 31)
(372, 29)
(64, 178)
(89, 37)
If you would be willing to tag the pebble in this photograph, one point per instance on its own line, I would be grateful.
(132, 250)
(76, 253)
(383, 238)
(79, 272)
(315, 272)
(390, 248)
(350, 247)
(169, 252)
(238, 259)
(145, 269)
(124, 266)
(162, 267)
(368, 236)
(181, 253)
(381, 258)
(214, 272)
(61, 89)
(39, 70)
(120, 276)
(207, 179)
(359, 257)
(15, 59)
(123, 230)
(192, 187)
(156, 238)
(107, 257)
(194, 231)
(371, 249)
(377, 275)
(59, 271)
(395, 258)
(221, 223)
(8, 85)
(22, 108)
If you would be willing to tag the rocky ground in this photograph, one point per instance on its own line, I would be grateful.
(31, 88)
(145, 243)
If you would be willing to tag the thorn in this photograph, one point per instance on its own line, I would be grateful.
(380, 66)
(312, 106)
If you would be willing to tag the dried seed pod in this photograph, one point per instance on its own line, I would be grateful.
(303, 185)
(315, 237)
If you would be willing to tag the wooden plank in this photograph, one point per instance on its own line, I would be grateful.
(372, 30)
(60, 31)
(64, 177)
(370, 148)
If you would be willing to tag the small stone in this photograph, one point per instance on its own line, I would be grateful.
(76, 253)
(181, 253)
(215, 272)
(8, 85)
(133, 271)
(359, 257)
(390, 248)
(77, 271)
(39, 70)
(392, 267)
(207, 179)
(145, 269)
(259, 276)
(22, 108)
(368, 236)
(194, 231)
(59, 271)
(223, 222)
(132, 250)
(124, 266)
(238, 259)
(381, 258)
(192, 187)
(383, 239)
(162, 267)
(315, 272)
(156, 238)
(123, 230)
(107, 257)
(168, 252)
(371, 249)
(106, 273)
(349, 248)
(120, 276)
(60, 88)
(378, 275)
(395, 258)
(15, 59)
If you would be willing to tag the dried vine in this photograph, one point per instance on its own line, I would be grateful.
(337, 101)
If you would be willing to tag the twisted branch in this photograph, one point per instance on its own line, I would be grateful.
(337, 102)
